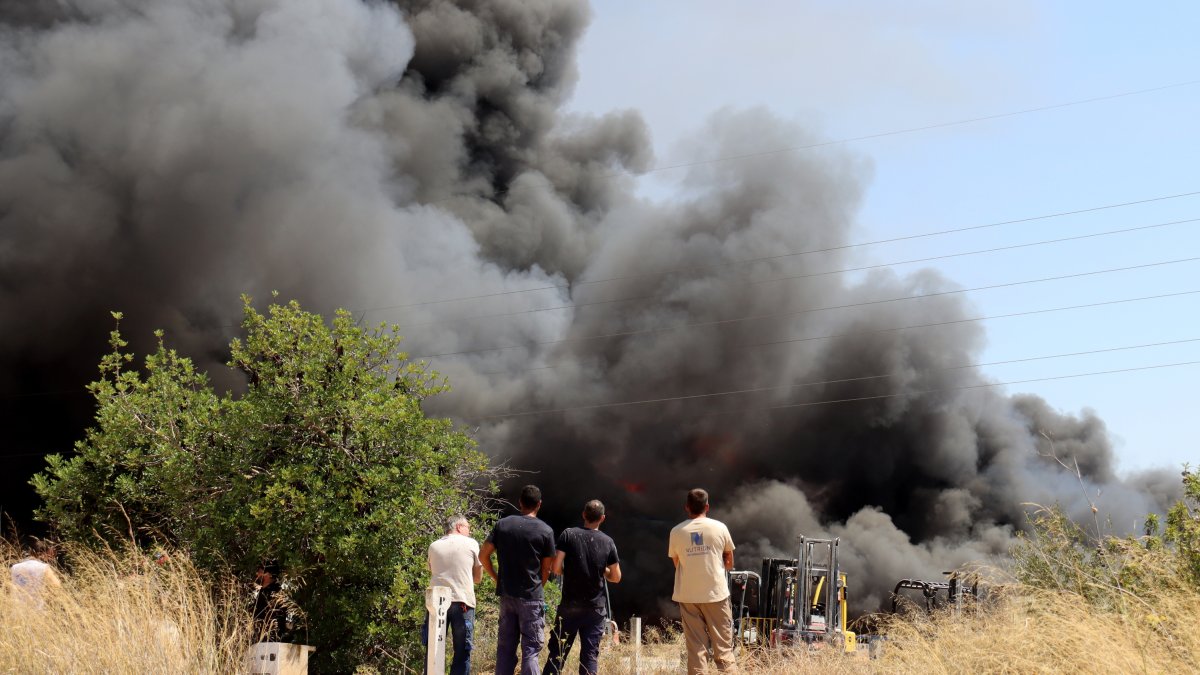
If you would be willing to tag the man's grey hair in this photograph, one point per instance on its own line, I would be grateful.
(453, 521)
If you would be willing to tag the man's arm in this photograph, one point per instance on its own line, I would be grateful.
(477, 570)
(613, 573)
(485, 560)
(675, 559)
(728, 556)
(558, 562)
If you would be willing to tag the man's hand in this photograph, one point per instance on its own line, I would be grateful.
(485, 560)
(558, 562)
(613, 573)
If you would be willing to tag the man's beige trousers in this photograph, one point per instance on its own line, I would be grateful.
(705, 625)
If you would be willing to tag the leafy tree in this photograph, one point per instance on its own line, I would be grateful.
(1183, 527)
(326, 463)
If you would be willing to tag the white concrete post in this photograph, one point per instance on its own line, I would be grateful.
(635, 631)
(437, 601)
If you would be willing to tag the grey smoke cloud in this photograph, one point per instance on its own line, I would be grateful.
(161, 157)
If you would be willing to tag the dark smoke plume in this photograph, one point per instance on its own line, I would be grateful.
(162, 156)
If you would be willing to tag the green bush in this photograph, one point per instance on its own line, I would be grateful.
(326, 463)
(1110, 572)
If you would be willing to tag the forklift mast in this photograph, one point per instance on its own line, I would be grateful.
(818, 587)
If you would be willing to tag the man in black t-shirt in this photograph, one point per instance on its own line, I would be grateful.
(524, 547)
(586, 559)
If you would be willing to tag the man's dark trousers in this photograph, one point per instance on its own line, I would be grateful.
(588, 624)
(524, 622)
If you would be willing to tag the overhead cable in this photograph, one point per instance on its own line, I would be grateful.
(776, 315)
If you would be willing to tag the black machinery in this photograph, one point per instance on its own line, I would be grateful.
(955, 590)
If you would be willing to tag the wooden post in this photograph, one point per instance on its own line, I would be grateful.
(437, 601)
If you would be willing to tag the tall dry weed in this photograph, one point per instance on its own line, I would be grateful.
(122, 613)
(1038, 631)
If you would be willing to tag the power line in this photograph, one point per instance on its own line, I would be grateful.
(796, 385)
(914, 392)
(895, 132)
(808, 275)
(951, 322)
(935, 324)
(787, 255)
(910, 130)
(981, 385)
(770, 315)
(83, 391)
(74, 392)
(984, 385)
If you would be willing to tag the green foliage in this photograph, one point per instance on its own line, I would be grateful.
(326, 463)
(1054, 553)
(1183, 527)
(1110, 573)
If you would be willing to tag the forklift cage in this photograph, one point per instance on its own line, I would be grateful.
(818, 587)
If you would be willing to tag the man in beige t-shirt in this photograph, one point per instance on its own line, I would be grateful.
(454, 562)
(702, 551)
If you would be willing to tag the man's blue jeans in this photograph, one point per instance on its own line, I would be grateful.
(462, 632)
(522, 621)
(588, 624)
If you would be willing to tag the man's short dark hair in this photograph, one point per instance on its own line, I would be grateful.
(270, 567)
(593, 511)
(531, 496)
(697, 499)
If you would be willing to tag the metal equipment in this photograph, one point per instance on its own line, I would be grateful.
(745, 591)
(801, 601)
(818, 601)
(956, 590)
(772, 596)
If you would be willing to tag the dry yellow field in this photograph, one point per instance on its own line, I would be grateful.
(126, 614)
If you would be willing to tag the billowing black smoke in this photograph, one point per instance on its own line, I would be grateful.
(162, 156)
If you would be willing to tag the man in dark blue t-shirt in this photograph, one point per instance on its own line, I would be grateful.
(586, 559)
(524, 547)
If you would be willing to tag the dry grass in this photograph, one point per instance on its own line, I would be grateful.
(1039, 631)
(121, 613)
(1020, 630)
(124, 614)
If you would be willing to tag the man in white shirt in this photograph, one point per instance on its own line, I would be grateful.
(702, 551)
(454, 562)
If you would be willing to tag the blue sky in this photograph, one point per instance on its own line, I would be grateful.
(850, 69)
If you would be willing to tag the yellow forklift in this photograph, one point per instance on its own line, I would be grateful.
(800, 601)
